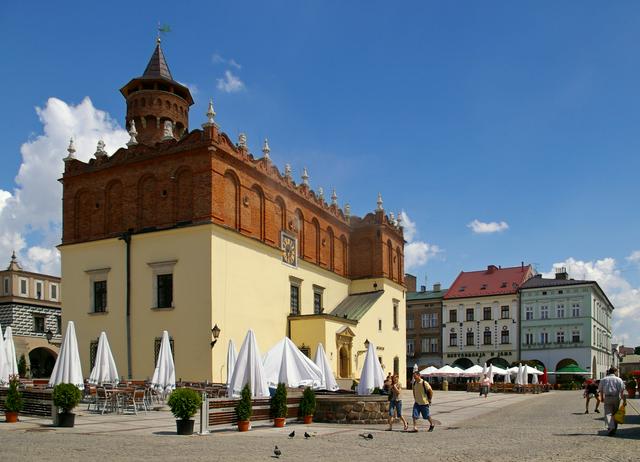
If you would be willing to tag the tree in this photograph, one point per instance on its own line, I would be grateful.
(636, 351)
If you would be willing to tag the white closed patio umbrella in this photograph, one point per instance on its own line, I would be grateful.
(372, 376)
(4, 369)
(490, 373)
(231, 360)
(534, 379)
(68, 368)
(10, 351)
(285, 363)
(328, 379)
(507, 376)
(164, 375)
(485, 369)
(104, 370)
(249, 370)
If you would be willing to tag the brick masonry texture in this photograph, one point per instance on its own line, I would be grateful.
(20, 318)
(206, 178)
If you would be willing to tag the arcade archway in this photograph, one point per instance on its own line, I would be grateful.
(42, 361)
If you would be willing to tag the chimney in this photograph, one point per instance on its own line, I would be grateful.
(423, 288)
(561, 273)
(436, 287)
(492, 269)
(410, 281)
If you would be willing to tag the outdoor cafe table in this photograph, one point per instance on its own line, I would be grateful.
(119, 395)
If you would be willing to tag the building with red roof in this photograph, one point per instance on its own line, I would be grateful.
(480, 316)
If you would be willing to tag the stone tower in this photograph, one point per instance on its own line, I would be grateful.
(157, 104)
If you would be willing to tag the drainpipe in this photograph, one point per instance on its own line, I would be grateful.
(126, 237)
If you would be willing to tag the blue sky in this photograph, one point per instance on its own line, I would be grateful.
(520, 113)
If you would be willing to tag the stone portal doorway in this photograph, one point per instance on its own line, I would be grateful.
(344, 362)
(344, 342)
(42, 361)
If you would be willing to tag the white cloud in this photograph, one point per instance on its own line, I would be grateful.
(416, 253)
(217, 58)
(233, 63)
(634, 257)
(480, 227)
(625, 297)
(30, 216)
(230, 83)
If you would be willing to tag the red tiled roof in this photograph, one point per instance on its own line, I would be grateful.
(492, 281)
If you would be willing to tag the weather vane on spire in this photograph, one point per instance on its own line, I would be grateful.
(162, 29)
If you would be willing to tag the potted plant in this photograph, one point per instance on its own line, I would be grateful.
(244, 409)
(14, 402)
(66, 396)
(279, 406)
(184, 403)
(22, 366)
(308, 405)
(631, 388)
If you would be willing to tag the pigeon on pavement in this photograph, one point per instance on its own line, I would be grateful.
(292, 434)
(306, 436)
(277, 452)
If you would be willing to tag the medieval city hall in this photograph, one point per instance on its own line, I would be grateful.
(186, 228)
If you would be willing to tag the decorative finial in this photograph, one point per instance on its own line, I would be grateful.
(132, 133)
(379, 202)
(242, 141)
(14, 265)
(100, 152)
(266, 149)
(321, 194)
(71, 150)
(287, 171)
(347, 211)
(167, 131)
(305, 177)
(399, 222)
(392, 218)
(210, 115)
(13, 256)
(334, 198)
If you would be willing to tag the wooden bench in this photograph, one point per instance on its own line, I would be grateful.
(223, 410)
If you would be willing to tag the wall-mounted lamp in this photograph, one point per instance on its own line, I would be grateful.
(49, 336)
(215, 332)
(366, 344)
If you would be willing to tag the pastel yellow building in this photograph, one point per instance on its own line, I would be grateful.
(185, 231)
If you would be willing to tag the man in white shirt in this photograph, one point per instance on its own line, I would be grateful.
(611, 391)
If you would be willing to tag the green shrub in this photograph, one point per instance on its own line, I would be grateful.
(22, 366)
(66, 396)
(279, 402)
(308, 402)
(184, 403)
(14, 401)
(244, 408)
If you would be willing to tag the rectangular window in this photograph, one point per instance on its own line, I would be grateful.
(38, 324)
(424, 320)
(99, 296)
(575, 310)
(165, 290)
(6, 286)
(380, 325)
(453, 316)
(560, 337)
(53, 292)
(39, 294)
(504, 312)
(453, 339)
(575, 336)
(544, 337)
(528, 339)
(487, 337)
(295, 299)
(486, 313)
(156, 349)
(395, 315)
(24, 287)
(504, 336)
(410, 346)
(424, 345)
(470, 339)
(544, 312)
(560, 311)
(469, 314)
(434, 345)
(59, 324)
(410, 323)
(434, 320)
(528, 313)
(318, 295)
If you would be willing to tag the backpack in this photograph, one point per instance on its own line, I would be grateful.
(428, 391)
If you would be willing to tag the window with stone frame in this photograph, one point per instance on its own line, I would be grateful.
(575, 336)
(424, 320)
(6, 286)
(395, 315)
(424, 342)
(544, 312)
(164, 284)
(560, 310)
(504, 312)
(39, 290)
(53, 291)
(528, 313)
(528, 339)
(486, 337)
(410, 346)
(38, 324)
(486, 313)
(504, 336)
(575, 310)
(433, 342)
(318, 295)
(453, 315)
(99, 296)
(294, 299)
(156, 349)
(544, 337)
(434, 320)
(469, 314)
(470, 339)
(560, 337)
(24, 287)
(409, 322)
(453, 339)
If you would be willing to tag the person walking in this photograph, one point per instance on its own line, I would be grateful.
(395, 403)
(591, 391)
(422, 396)
(485, 384)
(611, 391)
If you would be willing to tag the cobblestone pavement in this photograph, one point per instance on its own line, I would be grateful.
(549, 426)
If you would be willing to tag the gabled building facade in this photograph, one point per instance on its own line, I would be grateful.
(566, 321)
(480, 316)
(186, 230)
(424, 327)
